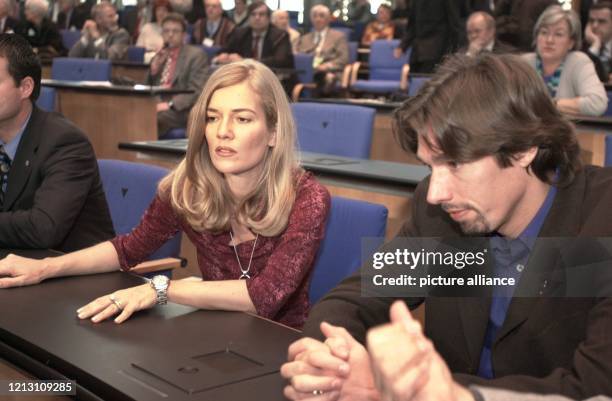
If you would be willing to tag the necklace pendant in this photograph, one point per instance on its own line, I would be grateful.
(244, 276)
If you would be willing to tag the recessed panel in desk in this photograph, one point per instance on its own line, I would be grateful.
(202, 372)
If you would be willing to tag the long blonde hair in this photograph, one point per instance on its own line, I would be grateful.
(200, 194)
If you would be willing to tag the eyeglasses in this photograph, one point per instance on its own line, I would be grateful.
(259, 14)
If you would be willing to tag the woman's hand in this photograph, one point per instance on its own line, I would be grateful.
(122, 302)
(17, 271)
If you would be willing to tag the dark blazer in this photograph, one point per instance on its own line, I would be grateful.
(276, 51)
(9, 25)
(220, 37)
(515, 20)
(434, 29)
(76, 18)
(499, 47)
(45, 39)
(54, 197)
(546, 344)
(191, 73)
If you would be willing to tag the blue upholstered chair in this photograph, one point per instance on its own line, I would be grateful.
(136, 54)
(335, 129)
(211, 51)
(174, 133)
(387, 73)
(129, 189)
(341, 250)
(303, 64)
(608, 159)
(608, 112)
(46, 99)
(69, 37)
(80, 69)
(415, 84)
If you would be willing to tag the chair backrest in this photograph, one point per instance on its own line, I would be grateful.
(415, 84)
(608, 112)
(341, 250)
(345, 30)
(69, 37)
(353, 46)
(80, 69)
(608, 160)
(129, 189)
(303, 64)
(46, 98)
(136, 54)
(383, 65)
(342, 130)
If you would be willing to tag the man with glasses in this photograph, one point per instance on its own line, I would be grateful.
(177, 66)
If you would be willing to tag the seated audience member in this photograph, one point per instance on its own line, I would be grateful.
(177, 66)
(329, 47)
(505, 165)
(7, 22)
(260, 40)
(598, 38)
(239, 14)
(280, 19)
(381, 28)
(51, 196)
(255, 216)
(480, 29)
(215, 28)
(102, 37)
(151, 33)
(72, 15)
(407, 367)
(40, 32)
(569, 74)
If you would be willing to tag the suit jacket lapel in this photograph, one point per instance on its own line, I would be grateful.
(180, 66)
(21, 167)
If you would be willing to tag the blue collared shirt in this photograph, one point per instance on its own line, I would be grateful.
(510, 257)
(11, 147)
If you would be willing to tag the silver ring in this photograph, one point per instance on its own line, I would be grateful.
(116, 302)
(317, 392)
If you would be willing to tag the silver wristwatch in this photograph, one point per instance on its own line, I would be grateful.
(160, 284)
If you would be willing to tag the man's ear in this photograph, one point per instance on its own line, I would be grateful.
(27, 87)
(524, 159)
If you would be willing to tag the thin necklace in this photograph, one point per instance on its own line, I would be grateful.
(245, 273)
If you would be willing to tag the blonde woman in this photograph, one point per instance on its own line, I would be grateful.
(255, 216)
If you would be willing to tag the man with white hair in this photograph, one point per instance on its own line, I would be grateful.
(480, 29)
(7, 23)
(102, 37)
(280, 19)
(40, 32)
(329, 47)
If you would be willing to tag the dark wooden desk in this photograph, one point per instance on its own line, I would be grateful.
(109, 114)
(165, 353)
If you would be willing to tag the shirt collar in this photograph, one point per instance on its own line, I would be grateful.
(11, 147)
(530, 233)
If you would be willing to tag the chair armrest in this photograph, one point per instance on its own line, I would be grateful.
(298, 88)
(346, 76)
(354, 71)
(156, 265)
(404, 77)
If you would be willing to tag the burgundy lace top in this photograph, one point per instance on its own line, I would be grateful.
(282, 265)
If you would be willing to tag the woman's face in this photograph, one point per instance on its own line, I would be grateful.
(383, 15)
(160, 13)
(237, 133)
(554, 42)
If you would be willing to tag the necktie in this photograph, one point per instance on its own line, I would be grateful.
(255, 50)
(166, 79)
(5, 166)
(605, 59)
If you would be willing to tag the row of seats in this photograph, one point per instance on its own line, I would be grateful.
(130, 187)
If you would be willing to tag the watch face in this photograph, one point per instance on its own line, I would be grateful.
(160, 280)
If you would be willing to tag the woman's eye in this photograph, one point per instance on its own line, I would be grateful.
(210, 119)
(243, 119)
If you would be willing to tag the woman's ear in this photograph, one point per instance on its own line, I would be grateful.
(272, 140)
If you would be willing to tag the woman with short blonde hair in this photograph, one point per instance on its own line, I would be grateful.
(255, 217)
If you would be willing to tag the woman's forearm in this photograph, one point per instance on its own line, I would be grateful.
(223, 295)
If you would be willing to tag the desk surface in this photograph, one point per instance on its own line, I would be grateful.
(165, 353)
(371, 170)
(107, 87)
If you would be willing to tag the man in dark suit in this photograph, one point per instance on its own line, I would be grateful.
(480, 29)
(515, 179)
(434, 30)
(72, 15)
(598, 38)
(177, 66)
(7, 23)
(260, 40)
(51, 195)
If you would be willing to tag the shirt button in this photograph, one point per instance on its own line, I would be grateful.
(520, 268)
